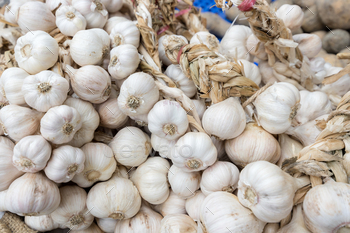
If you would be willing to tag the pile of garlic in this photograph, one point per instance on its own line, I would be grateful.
(90, 143)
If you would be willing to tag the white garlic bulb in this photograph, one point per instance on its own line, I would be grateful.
(151, 180)
(200, 107)
(41, 223)
(173, 205)
(292, 16)
(222, 212)
(289, 148)
(310, 45)
(92, 229)
(182, 82)
(45, 90)
(112, 6)
(93, 11)
(251, 71)
(165, 60)
(65, 162)
(107, 224)
(297, 223)
(110, 114)
(138, 94)
(162, 146)
(125, 32)
(277, 106)
(193, 205)
(69, 20)
(124, 61)
(89, 47)
(224, 120)
(256, 48)
(268, 191)
(183, 184)
(11, 81)
(36, 51)
(60, 124)
(55, 4)
(207, 39)
(112, 21)
(31, 154)
(177, 223)
(11, 11)
(254, 144)
(99, 165)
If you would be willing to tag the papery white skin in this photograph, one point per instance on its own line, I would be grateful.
(222, 212)
(89, 47)
(11, 11)
(165, 60)
(112, 6)
(252, 46)
(289, 148)
(99, 165)
(112, 21)
(94, 12)
(65, 162)
(193, 205)
(41, 223)
(310, 45)
(54, 4)
(183, 184)
(182, 82)
(317, 65)
(36, 51)
(110, 114)
(125, 32)
(31, 154)
(220, 147)
(60, 124)
(173, 205)
(177, 223)
(107, 224)
(151, 180)
(292, 16)
(92, 229)
(251, 71)
(162, 146)
(200, 107)
(225, 120)
(207, 39)
(271, 228)
(69, 20)
(131, 146)
(339, 87)
(297, 223)
(45, 90)
(267, 73)
(11, 81)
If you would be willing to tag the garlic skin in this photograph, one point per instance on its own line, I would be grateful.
(222, 212)
(167, 119)
(310, 45)
(194, 152)
(173, 205)
(200, 107)
(182, 82)
(193, 205)
(41, 223)
(289, 148)
(110, 115)
(273, 204)
(89, 47)
(254, 144)
(99, 165)
(45, 90)
(177, 223)
(131, 146)
(112, 21)
(267, 72)
(256, 48)
(94, 12)
(112, 6)
(72, 211)
(107, 224)
(11, 81)
(138, 94)
(220, 148)
(69, 20)
(165, 60)
(162, 146)
(251, 71)
(150, 178)
(60, 124)
(297, 223)
(65, 162)
(271, 228)
(224, 120)
(11, 11)
(92, 229)
(37, 50)
(277, 106)
(340, 87)
(207, 39)
(292, 16)
(124, 61)
(55, 4)
(125, 32)
(183, 184)
(31, 154)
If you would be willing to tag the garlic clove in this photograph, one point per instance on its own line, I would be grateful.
(267, 73)
(93, 11)
(183, 184)
(107, 224)
(310, 45)
(207, 39)
(256, 48)
(178, 223)
(125, 32)
(41, 223)
(12, 81)
(182, 82)
(292, 16)
(271, 228)
(69, 20)
(289, 148)
(173, 205)
(193, 205)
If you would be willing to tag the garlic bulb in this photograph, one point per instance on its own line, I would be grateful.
(55, 4)
(110, 114)
(112, 6)
(151, 180)
(12, 80)
(317, 66)
(271, 228)
(32, 195)
(183, 184)
(31, 154)
(138, 94)
(251, 71)
(93, 11)
(91, 83)
(131, 146)
(255, 192)
(60, 124)
(256, 48)
(182, 82)
(112, 21)
(173, 205)
(224, 120)
(167, 119)
(297, 223)
(45, 90)
(222, 176)
(69, 20)
(165, 60)
(200, 107)
(289, 148)
(92, 229)
(220, 148)
(254, 144)
(292, 16)
(310, 45)
(37, 50)
(11, 11)
(194, 152)
(125, 32)
(65, 162)
(162, 146)
(207, 39)
(193, 205)
(89, 47)
(41, 223)
(177, 223)
(277, 106)
(72, 211)
(107, 224)
(99, 165)
(8, 172)
(117, 198)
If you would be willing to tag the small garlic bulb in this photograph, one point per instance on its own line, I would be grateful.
(107, 224)
(37, 50)
(222, 176)
(69, 20)
(72, 211)
(12, 80)
(165, 60)
(112, 21)
(89, 47)
(173, 205)
(55, 4)
(131, 146)
(93, 11)
(254, 144)
(99, 165)
(310, 45)
(65, 162)
(45, 90)
(200, 107)
(277, 106)
(31, 154)
(92, 229)
(167, 119)
(162, 146)
(251, 71)
(292, 16)
(182, 82)
(289, 148)
(183, 184)
(124, 61)
(112, 6)
(151, 180)
(177, 223)
(207, 39)
(256, 48)
(224, 120)
(110, 115)
(297, 223)
(42, 223)
(193, 205)
(125, 32)
(138, 94)
(60, 124)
